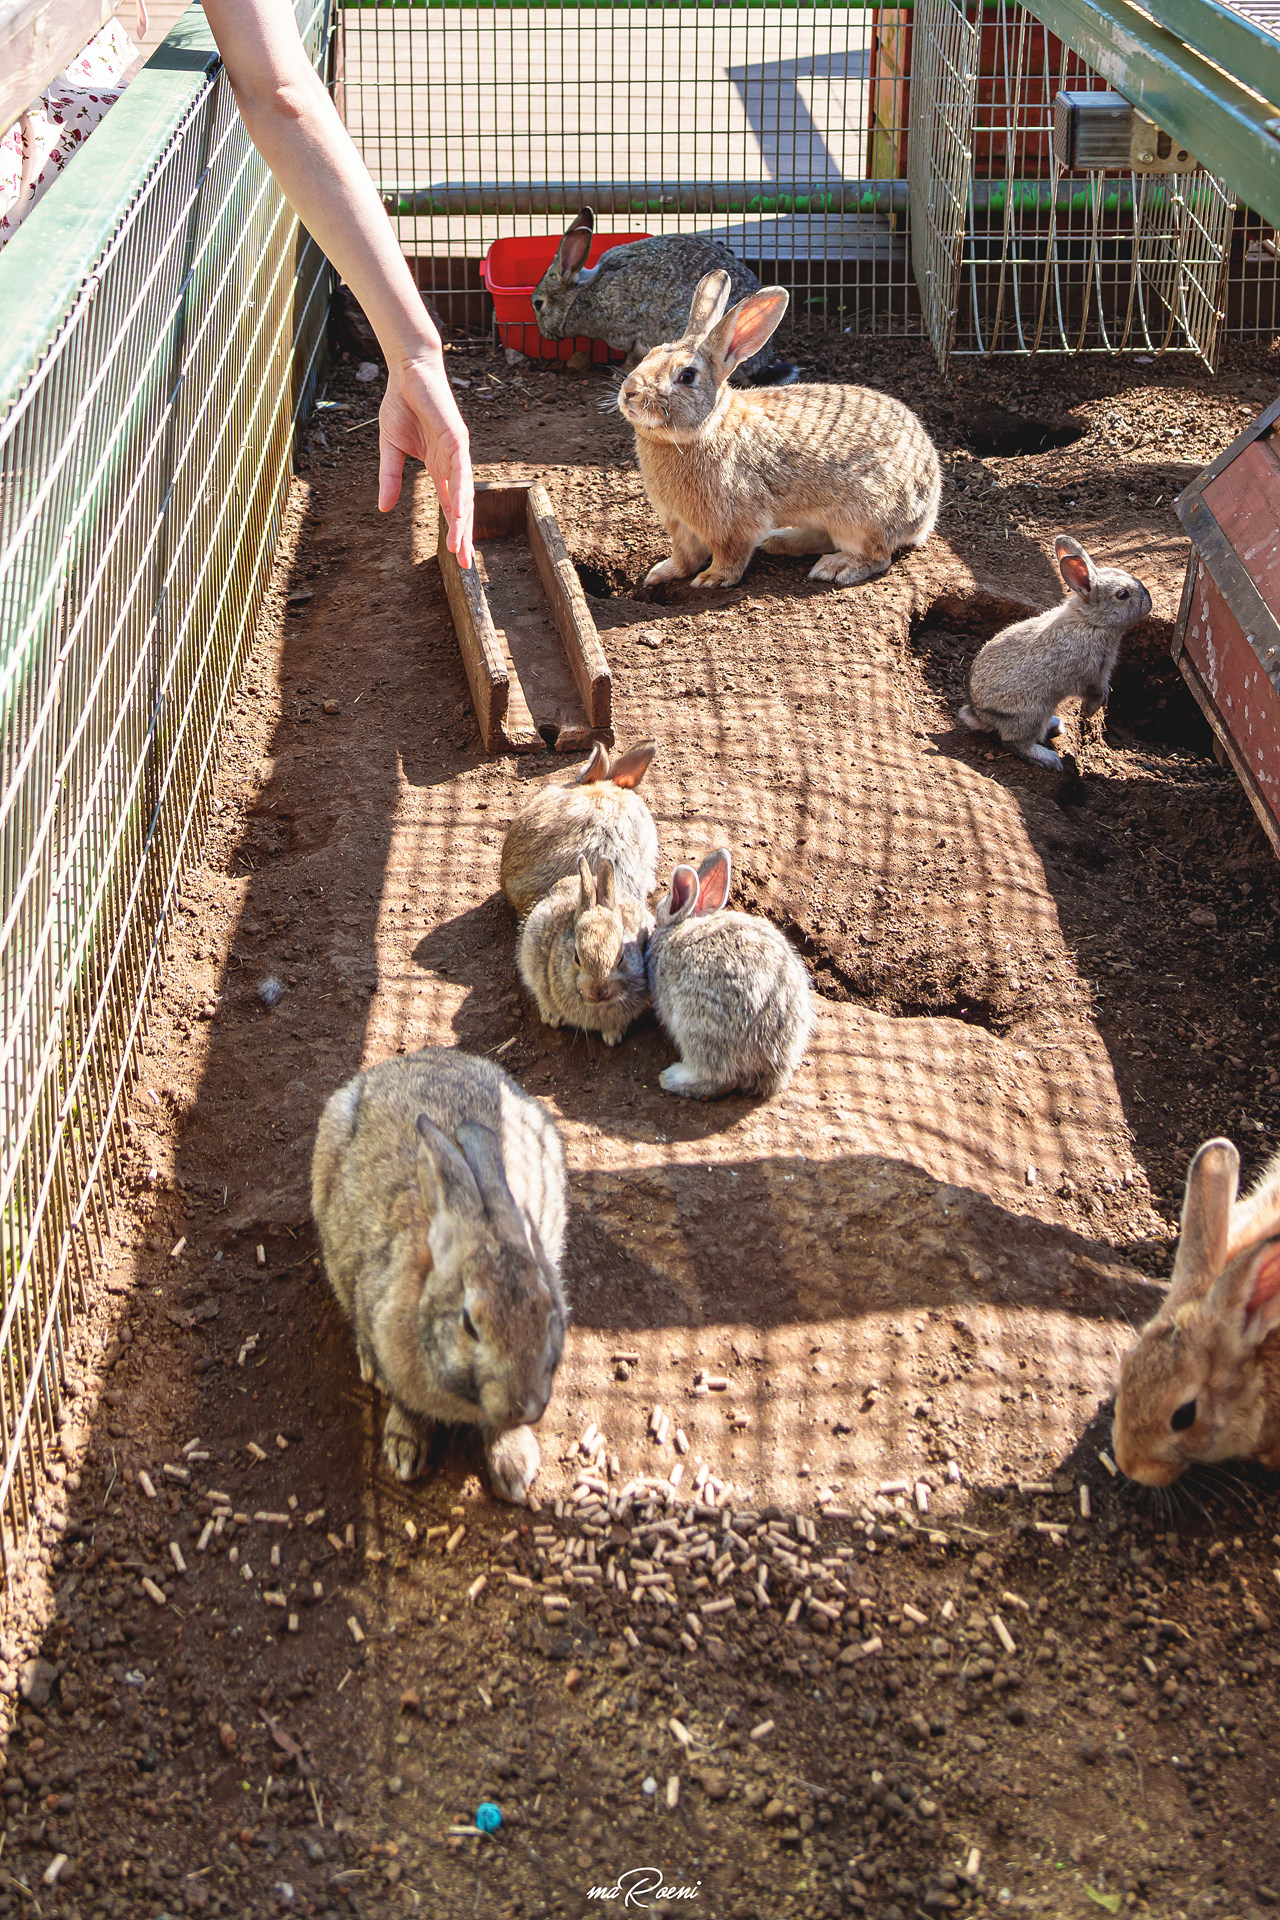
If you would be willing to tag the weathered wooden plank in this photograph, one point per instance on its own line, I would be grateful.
(1234, 694)
(486, 669)
(569, 609)
(1245, 501)
(38, 38)
(499, 510)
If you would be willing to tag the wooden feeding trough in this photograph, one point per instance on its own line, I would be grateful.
(1227, 642)
(534, 661)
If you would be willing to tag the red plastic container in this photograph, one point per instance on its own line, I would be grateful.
(512, 269)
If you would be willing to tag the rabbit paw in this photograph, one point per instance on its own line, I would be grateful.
(717, 577)
(1044, 757)
(684, 1080)
(404, 1444)
(1054, 727)
(846, 570)
(514, 1458)
(368, 1365)
(665, 570)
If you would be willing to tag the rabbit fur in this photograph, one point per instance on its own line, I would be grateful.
(731, 991)
(581, 954)
(1202, 1381)
(844, 472)
(598, 814)
(438, 1187)
(1017, 680)
(637, 295)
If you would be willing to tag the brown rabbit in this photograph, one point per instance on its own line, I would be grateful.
(1202, 1380)
(598, 815)
(438, 1187)
(845, 472)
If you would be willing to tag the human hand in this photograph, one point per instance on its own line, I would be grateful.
(419, 419)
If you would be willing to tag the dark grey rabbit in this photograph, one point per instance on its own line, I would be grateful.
(637, 296)
(1017, 679)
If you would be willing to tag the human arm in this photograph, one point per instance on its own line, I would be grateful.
(295, 127)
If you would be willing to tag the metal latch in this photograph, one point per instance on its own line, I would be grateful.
(1103, 132)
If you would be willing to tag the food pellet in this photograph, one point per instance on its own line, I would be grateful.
(355, 1629)
(152, 1591)
(1003, 1634)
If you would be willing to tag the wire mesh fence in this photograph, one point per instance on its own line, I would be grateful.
(147, 403)
(893, 166)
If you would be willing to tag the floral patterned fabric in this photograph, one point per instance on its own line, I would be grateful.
(34, 152)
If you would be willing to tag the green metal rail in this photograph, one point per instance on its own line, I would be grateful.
(1206, 75)
(161, 321)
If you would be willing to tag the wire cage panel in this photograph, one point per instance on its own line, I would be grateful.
(939, 153)
(852, 153)
(1068, 262)
(146, 425)
(748, 121)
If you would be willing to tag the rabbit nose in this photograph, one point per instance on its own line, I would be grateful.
(532, 1409)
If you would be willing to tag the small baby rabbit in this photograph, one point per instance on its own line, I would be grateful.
(1202, 1381)
(731, 991)
(802, 469)
(438, 1187)
(598, 814)
(637, 295)
(1018, 678)
(581, 954)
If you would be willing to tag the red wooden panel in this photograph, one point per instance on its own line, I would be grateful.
(1230, 669)
(1245, 502)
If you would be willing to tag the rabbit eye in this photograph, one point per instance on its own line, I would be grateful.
(469, 1326)
(687, 376)
(1122, 593)
(1184, 1417)
(577, 958)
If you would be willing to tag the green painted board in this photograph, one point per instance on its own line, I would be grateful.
(44, 267)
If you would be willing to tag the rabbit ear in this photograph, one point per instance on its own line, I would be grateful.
(586, 885)
(684, 893)
(1212, 1179)
(710, 299)
(572, 252)
(449, 1190)
(631, 769)
(606, 886)
(1074, 564)
(713, 881)
(597, 768)
(483, 1153)
(1246, 1299)
(746, 327)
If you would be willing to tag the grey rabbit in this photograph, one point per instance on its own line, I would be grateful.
(581, 954)
(438, 1187)
(1018, 679)
(731, 990)
(638, 295)
(597, 815)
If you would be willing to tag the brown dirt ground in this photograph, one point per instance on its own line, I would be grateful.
(1036, 997)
